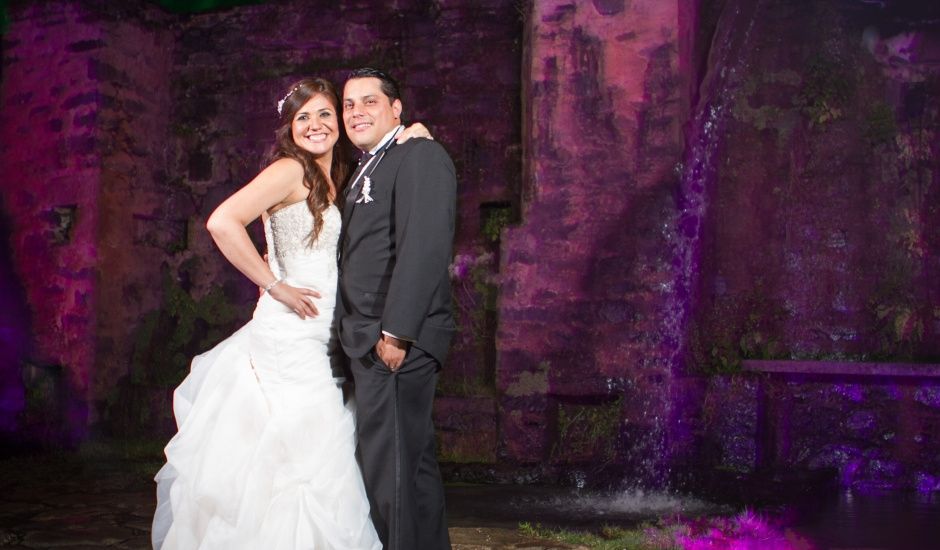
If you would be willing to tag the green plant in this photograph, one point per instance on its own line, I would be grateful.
(465, 386)
(183, 129)
(165, 342)
(828, 84)
(901, 328)
(4, 17)
(197, 6)
(757, 341)
(644, 537)
(494, 220)
(738, 327)
(167, 339)
(475, 295)
(588, 432)
(880, 125)
(723, 359)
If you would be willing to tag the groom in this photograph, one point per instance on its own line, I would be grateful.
(394, 309)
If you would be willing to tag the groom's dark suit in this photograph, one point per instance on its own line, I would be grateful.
(393, 277)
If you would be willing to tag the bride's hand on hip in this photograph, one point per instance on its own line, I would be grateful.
(299, 300)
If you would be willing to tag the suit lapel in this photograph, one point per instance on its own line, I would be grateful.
(348, 210)
(351, 193)
(355, 186)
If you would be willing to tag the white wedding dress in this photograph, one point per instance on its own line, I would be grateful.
(264, 455)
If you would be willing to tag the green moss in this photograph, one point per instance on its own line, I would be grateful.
(195, 325)
(198, 6)
(165, 342)
(4, 17)
(465, 386)
(494, 220)
(828, 84)
(880, 125)
(738, 327)
(183, 130)
(130, 449)
(722, 359)
(900, 305)
(783, 119)
(900, 321)
(644, 537)
(588, 432)
(468, 450)
(475, 295)
(482, 277)
(42, 385)
(763, 117)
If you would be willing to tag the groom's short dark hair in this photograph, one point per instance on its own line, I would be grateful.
(388, 84)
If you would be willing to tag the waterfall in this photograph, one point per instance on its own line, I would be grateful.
(704, 136)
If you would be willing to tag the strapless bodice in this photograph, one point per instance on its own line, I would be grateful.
(292, 254)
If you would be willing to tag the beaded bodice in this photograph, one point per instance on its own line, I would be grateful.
(287, 233)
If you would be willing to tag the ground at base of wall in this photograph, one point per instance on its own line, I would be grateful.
(104, 497)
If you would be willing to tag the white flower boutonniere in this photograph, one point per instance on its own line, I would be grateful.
(366, 190)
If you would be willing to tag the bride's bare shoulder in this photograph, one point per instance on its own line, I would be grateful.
(286, 167)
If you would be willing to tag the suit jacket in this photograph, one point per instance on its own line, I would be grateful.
(395, 252)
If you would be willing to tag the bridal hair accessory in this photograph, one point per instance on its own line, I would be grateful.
(366, 197)
(280, 104)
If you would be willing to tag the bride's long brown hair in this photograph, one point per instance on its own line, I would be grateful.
(318, 199)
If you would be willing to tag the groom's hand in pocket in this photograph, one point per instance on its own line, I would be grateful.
(391, 351)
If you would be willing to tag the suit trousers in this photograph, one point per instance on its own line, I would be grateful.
(397, 450)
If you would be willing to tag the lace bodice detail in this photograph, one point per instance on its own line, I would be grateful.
(287, 233)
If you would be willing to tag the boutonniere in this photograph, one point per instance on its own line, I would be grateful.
(366, 190)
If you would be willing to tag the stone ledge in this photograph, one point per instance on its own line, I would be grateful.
(844, 368)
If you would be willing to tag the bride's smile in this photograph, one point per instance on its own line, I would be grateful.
(315, 127)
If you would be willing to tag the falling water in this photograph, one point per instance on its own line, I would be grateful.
(704, 138)
(717, 93)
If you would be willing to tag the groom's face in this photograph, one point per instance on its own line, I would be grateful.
(368, 113)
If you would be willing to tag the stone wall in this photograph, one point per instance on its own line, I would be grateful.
(85, 194)
(14, 339)
(52, 183)
(820, 242)
(650, 192)
(828, 246)
(583, 339)
(141, 218)
(133, 124)
(232, 66)
(872, 431)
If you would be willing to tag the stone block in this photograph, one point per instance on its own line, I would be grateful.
(730, 418)
(526, 426)
(170, 236)
(467, 429)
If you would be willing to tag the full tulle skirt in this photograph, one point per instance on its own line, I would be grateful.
(265, 453)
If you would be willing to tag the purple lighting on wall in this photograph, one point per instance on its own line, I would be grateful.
(14, 338)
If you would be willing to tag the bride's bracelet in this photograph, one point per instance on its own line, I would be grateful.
(271, 285)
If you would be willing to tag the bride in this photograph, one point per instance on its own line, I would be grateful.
(265, 452)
